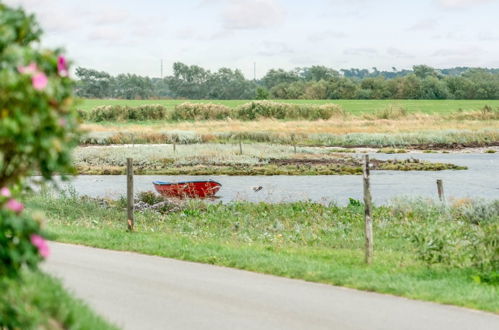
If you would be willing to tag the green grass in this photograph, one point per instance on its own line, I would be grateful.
(38, 301)
(299, 240)
(351, 106)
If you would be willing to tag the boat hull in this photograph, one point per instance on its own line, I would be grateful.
(190, 189)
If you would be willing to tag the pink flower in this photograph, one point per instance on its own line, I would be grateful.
(28, 69)
(63, 122)
(62, 66)
(14, 205)
(5, 192)
(41, 245)
(40, 81)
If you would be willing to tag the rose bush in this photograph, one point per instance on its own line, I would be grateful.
(38, 129)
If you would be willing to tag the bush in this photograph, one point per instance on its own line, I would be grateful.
(390, 112)
(268, 109)
(462, 235)
(38, 129)
(201, 111)
(150, 197)
(124, 113)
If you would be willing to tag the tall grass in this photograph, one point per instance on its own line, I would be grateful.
(444, 138)
(209, 111)
(423, 249)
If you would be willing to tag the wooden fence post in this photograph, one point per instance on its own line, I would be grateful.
(174, 147)
(440, 189)
(240, 145)
(368, 224)
(129, 193)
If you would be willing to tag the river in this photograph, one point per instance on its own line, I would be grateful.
(481, 180)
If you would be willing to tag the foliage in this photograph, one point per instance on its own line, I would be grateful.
(212, 111)
(15, 242)
(38, 129)
(150, 197)
(201, 111)
(461, 235)
(124, 113)
(315, 82)
(306, 240)
(40, 302)
(276, 110)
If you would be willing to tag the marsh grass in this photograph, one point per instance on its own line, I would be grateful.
(438, 139)
(225, 159)
(315, 242)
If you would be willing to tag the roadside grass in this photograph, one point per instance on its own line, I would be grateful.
(38, 301)
(351, 106)
(301, 240)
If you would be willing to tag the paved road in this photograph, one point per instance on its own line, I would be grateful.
(145, 292)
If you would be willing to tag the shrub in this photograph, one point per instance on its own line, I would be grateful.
(124, 113)
(268, 109)
(390, 112)
(201, 111)
(461, 235)
(38, 129)
(150, 197)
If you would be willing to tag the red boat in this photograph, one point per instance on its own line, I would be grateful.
(193, 189)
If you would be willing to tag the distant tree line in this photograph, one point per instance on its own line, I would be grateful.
(315, 82)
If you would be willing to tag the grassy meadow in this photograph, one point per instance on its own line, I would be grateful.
(420, 124)
(351, 106)
(423, 249)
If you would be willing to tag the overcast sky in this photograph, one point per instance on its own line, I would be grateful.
(132, 36)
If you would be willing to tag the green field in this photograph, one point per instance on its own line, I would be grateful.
(352, 106)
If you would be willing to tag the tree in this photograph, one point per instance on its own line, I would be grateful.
(93, 83)
(319, 72)
(226, 84)
(279, 76)
(189, 81)
(424, 71)
(132, 87)
(262, 93)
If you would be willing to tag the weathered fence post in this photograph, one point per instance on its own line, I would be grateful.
(174, 147)
(368, 224)
(440, 189)
(240, 145)
(129, 193)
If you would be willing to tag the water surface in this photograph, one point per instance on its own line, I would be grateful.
(481, 180)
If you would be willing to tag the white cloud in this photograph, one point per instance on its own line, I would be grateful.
(426, 24)
(395, 52)
(326, 35)
(457, 52)
(461, 3)
(272, 48)
(252, 14)
(360, 51)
